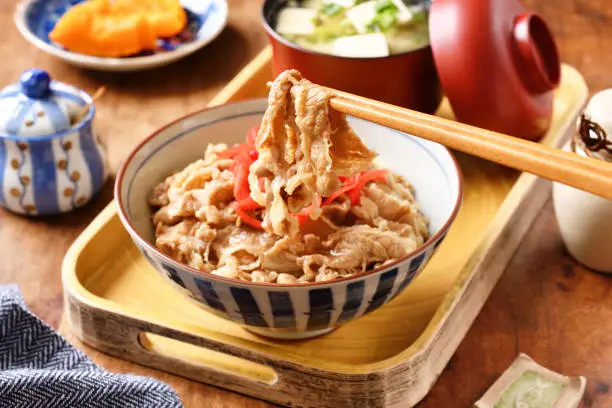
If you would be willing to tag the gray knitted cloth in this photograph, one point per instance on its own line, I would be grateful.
(40, 369)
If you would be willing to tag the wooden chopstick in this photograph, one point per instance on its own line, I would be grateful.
(584, 173)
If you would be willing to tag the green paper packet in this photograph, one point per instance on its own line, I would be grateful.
(526, 384)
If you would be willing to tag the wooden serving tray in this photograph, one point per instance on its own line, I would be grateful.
(117, 303)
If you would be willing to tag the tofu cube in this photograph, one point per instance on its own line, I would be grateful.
(296, 21)
(362, 46)
(362, 15)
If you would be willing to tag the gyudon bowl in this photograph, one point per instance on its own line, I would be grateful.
(297, 310)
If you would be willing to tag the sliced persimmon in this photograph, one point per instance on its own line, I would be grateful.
(118, 28)
(94, 28)
(166, 17)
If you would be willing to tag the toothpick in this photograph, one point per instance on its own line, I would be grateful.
(83, 112)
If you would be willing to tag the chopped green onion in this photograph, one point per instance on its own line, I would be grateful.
(386, 20)
(331, 9)
(384, 5)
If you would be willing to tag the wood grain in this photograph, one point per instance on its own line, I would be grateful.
(545, 304)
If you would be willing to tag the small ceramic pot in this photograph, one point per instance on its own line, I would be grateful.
(585, 223)
(584, 219)
(48, 165)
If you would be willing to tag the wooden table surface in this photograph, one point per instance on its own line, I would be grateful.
(545, 305)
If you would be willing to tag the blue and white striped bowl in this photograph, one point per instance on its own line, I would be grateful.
(288, 311)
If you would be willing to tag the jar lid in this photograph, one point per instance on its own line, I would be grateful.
(498, 64)
(38, 106)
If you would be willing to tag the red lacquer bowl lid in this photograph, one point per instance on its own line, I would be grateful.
(498, 64)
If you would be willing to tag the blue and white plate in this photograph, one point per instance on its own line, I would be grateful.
(35, 19)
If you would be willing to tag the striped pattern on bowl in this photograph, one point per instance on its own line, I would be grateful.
(301, 309)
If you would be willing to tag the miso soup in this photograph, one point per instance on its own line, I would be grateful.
(355, 28)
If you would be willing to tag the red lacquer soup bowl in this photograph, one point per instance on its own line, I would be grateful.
(408, 79)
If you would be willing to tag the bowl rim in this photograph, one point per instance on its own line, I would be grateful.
(135, 234)
(274, 34)
(95, 62)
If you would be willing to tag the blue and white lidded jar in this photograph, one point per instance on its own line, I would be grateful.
(48, 164)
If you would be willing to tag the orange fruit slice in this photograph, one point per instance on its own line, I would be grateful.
(118, 28)
(166, 17)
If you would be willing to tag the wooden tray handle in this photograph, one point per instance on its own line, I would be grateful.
(199, 357)
(203, 357)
